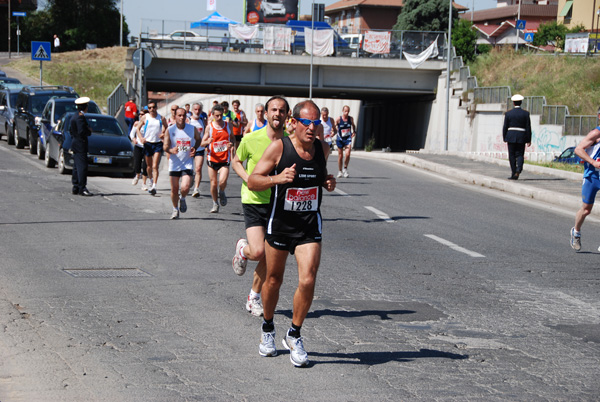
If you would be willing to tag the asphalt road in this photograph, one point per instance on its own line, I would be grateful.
(428, 290)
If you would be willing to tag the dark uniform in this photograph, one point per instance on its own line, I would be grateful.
(80, 132)
(516, 133)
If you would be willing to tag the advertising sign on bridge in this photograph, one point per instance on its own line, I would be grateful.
(271, 11)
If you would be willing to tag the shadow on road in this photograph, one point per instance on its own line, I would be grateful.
(373, 358)
(384, 315)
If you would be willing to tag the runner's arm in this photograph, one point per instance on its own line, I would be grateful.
(353, 126)
(590, 139)
(139, 130)
(238, 167)
(206, 139)
(260, 180)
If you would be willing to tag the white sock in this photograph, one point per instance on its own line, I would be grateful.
(254, 295)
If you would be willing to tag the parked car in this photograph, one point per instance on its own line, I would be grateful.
(272, 8)
(54, 110)
(110, 150)
(568, 156)
(8, 100)
(177, 39)
(8, 80)
(28, 115)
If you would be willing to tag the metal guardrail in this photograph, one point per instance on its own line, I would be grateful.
(491, 94)
(464, 73)
(580, 125)
(553, 114)
(117, 98)
(533, 104)
(471, 83)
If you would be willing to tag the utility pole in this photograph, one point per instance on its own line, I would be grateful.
(448, 61)
(9, 29)
(518, 18)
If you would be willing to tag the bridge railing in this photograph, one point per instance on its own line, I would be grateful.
(158, 34)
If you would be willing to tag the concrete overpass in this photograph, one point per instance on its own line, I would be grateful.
(396, 99)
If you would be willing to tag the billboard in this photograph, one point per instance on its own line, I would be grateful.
(271, 11)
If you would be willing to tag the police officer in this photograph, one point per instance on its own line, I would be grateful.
(80, 131)
(516, 133)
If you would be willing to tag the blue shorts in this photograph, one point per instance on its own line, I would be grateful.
(590, 187)
(150, 148)
(343, 142)
(199, 153)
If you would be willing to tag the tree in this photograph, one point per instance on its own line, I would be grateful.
(424, 15)
(464, 40)
(554, 33)
(76, 22)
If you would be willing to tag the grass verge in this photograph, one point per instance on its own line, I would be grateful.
(561, 166)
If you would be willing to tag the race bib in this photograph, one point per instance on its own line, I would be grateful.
(220, 146)
(183, 145)
(346, 132)
(301, 199)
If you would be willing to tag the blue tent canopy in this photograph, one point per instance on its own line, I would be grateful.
(215, 20)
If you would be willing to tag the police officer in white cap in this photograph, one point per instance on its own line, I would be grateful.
(516, 133)
(80, 131)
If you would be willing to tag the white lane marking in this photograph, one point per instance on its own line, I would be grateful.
(454, 246)
(380, 214)
(337, 190)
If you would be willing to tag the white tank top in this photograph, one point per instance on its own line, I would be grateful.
(200, 127)
(327, 129)
(152, 128)
(184, 140)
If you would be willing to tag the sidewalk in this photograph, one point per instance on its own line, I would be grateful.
(552, 186)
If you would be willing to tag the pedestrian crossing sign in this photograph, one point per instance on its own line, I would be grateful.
(529, 37)
(40, 51)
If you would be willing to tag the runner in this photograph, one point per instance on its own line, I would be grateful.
(259, 122)
(219, 141)
(172, 119)
(241, 119)
(294, 225)
(328, 127)
(139, 164)
(255, 204)
(151, 132)
(197, 122)
(346, 130)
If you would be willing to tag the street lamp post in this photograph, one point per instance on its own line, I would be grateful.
(312, 49)
(448, 61)
(518, 18)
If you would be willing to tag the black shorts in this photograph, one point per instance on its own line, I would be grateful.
(199, 153)
(179, 173)
(255, 215)
(238, 138)
(290, 243)
(150, 148)
(217, 166)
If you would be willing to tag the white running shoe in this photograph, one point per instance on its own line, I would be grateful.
(267, 344)
(144, 187)
(175, 214)
(298, 355)
(196, 193)
(340, 174)
(214, 209)
(254, 307)
(575, 240)
(345, 173)
(135, 180)
(239, 263)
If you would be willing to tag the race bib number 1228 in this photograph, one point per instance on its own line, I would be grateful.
(301, 199)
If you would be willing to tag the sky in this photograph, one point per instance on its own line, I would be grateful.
(194, 10)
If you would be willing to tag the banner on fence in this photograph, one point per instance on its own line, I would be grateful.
(377, 42)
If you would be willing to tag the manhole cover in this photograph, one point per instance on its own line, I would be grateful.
(107, 273)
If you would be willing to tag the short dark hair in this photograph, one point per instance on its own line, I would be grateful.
(151, 103)
(235, 101)
(217, 108)
(225, 104)
(287, 105)
(301, 105)
(517, 103)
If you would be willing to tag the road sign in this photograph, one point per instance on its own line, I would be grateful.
(137, 55)
(19, 14)
(528, 37)
(521, 24)
(40, 51)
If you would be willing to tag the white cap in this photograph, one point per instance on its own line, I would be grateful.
(517, 97)
(82, 100)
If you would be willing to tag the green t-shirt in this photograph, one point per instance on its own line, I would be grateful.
(251, 148)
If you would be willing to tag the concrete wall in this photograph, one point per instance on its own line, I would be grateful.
(477, 128)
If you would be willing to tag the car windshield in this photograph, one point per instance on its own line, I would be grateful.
(105, 126)
(567, 153)
(11, 80)
(60, 108)
(38, 102)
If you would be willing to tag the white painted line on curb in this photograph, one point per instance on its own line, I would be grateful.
(454, 246)
(380, 214)
(337, 190)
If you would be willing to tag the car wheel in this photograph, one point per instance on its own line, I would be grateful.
(62, 168)
(19, 142)
(10, 137)
(48, 161)
(40, 149)
(196, 47)
(32, 143)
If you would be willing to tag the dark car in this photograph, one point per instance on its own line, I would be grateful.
(28, 115)
(54, 110)
(110, 150)
(568, 156)
(8, 99)
(8, 80)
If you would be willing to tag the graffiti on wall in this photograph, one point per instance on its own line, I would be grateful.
(547, 139)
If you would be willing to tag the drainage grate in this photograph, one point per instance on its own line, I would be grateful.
(107, 273)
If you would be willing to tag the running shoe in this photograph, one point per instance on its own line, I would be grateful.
(254, 306)
(144, 187)
(222, 198)
(575, 240)
(345, 173)
(214, 209)
(152, 191)
(135, 180)
(182, 205)
(196, 193)
(298, 355)
(340, 174)
(175, 214)
(239, 263)
(267, 344)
